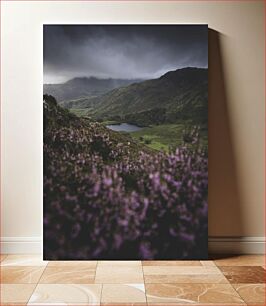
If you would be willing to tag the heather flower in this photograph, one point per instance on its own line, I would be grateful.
(104, 199)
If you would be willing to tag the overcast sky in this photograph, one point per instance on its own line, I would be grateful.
(127, 52)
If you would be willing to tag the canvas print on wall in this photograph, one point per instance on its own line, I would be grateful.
(125, 142)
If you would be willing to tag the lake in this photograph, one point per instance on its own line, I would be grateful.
(124, 127)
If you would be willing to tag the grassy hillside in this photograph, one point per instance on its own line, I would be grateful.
(164, 106)
(176, 96)
(91, 136)
(165, 136)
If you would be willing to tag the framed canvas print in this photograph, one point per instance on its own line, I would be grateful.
(125, 142)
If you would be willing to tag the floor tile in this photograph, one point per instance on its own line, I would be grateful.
(171, 263)
(119, 274)
(192, 293)
(251, 293)
(186, 279)
(16, 304)
(165, 270)
(16, 293)
(73, 263)
(73, 294)
(195, 304)
(68, 275)
(182, 274)
(24, 260)
(127, 304)
(241, 260)
(123, 293)
(2, 256)
(208, 263)
(248, 274)
(119, 263)
(21, 275)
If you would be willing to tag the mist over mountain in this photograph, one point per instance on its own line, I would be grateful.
(84, 87)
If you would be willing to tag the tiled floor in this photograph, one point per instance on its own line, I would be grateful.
(231, 280)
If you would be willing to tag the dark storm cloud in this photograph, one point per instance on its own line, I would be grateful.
(145, 51)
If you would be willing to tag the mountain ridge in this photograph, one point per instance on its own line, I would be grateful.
(179, 94)
(80, 87)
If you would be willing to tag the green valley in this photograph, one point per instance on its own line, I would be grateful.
(163, 107)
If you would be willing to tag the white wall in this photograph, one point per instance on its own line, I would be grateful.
(236, 111)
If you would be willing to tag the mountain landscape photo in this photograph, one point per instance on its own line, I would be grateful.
(125, 142)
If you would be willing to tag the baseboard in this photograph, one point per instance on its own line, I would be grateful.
(21, 245)
(236, 245)
(217, 245)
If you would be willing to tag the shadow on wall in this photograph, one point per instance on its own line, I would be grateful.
(225, 218)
